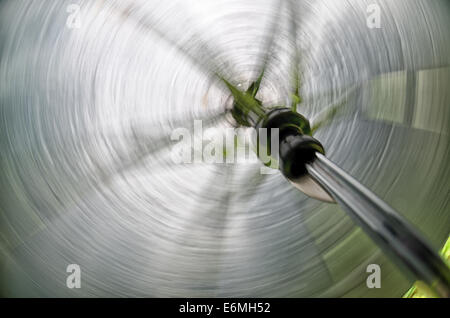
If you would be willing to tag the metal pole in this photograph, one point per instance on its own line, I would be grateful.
(381, 222)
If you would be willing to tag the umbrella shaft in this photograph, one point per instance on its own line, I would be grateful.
(384, 225)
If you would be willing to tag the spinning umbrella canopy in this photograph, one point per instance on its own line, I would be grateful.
(87, 114)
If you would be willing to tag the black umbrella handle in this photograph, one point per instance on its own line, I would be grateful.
(387, 228)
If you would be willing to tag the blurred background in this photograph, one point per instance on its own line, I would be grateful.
(89, 95)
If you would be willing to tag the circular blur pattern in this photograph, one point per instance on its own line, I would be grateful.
(90, 92)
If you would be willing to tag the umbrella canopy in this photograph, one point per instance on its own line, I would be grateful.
(87, 175)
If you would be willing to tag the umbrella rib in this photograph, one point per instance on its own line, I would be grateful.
(202, 61)
(268, 47)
